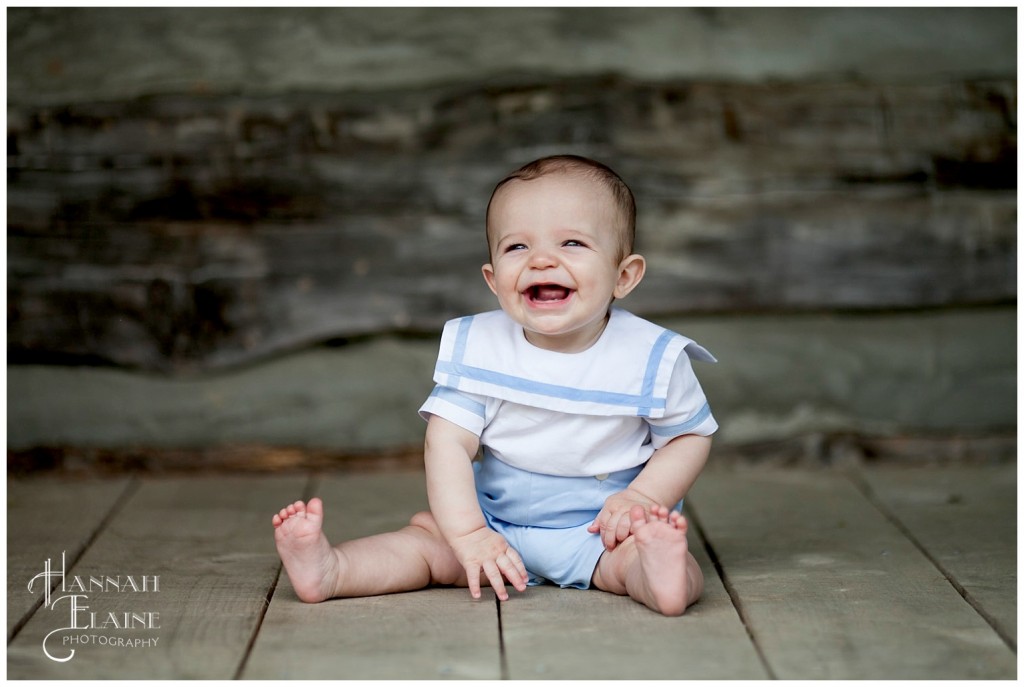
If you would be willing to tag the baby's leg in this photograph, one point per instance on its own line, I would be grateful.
(653, 565)
(411, 558)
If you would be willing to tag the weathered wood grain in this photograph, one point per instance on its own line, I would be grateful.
(832, 590)
(428, 634)
(966, 520)
(787, 388)
(104, 52)
(556, 634)
(431, 634)
(829, 586)
(47, 518)
(209, 540)
(182, 231)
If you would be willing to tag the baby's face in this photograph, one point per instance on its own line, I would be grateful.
(555, 263)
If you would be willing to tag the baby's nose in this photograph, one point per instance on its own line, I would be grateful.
(541, 258)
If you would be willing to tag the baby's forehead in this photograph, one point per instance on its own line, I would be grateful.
(579, 180)
(591, 194)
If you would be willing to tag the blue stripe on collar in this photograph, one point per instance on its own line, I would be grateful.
(653, 364)
(459, 351)
(643, 404)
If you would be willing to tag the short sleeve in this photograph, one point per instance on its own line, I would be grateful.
(466, 410)
(687, 410)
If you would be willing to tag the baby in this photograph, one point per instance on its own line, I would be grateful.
(591, 422)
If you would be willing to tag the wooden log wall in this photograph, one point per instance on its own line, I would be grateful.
(188, 232)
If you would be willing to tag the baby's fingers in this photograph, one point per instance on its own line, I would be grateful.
(622, 527)
(511, 566)
(616, 530)
(473, 580)
(496, 580)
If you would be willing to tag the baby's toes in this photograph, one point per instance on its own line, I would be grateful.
(678, 520)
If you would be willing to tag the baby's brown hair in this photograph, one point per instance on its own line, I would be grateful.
(591, 169)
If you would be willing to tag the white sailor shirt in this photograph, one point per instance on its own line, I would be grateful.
(595, 412)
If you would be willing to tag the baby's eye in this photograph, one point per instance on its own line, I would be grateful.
(574, 242)
(514, 246)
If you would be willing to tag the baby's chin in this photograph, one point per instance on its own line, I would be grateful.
(559, 339)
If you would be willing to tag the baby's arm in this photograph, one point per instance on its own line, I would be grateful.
(448, 454)
(665, 480)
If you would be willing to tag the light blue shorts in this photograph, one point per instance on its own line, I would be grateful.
(545, 518)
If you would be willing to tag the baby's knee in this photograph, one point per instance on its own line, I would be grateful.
(425, 521)
(443, 566)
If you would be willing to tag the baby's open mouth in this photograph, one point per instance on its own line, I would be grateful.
(543, 293)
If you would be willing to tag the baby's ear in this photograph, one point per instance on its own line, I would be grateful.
(631, 271)
(488, 272)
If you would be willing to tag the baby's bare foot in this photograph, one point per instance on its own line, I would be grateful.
(312, 565)
(662, 514)
(662, 553)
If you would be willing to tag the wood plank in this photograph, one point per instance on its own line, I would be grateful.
(832, 590)
(429, 634)
(198, 232)
(45, 518)
(965, 517)
(553, 633)
(209, 542)
(941, 372)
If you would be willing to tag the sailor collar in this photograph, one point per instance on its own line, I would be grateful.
(625, 372)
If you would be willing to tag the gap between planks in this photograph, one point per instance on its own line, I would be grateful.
(122, 498)
(894, 588)
(312, 482)
(734, 596)
(862, 485)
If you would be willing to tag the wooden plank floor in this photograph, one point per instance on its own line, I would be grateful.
(880, 573)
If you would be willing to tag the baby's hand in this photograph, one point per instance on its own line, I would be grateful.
(613, 522)
(484, 549)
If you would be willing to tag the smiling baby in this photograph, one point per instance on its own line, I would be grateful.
(589, 421)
